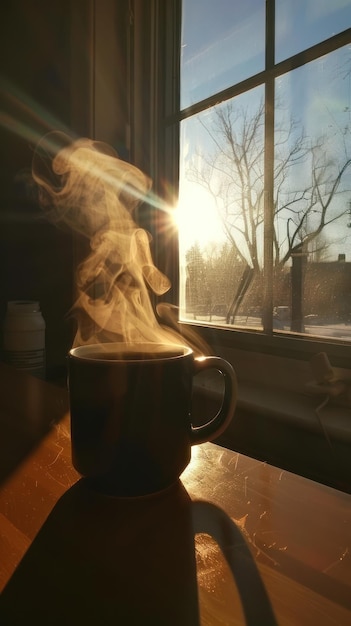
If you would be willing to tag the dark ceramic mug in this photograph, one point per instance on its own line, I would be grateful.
(131, 423)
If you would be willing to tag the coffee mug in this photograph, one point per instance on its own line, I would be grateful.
(130, 406)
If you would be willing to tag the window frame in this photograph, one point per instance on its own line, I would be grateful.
(161, 78)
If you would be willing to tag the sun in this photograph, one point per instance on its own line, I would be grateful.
(197, 218)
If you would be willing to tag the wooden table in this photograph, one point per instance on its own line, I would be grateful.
(72, 556)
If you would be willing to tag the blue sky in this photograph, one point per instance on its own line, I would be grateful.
(223, 40)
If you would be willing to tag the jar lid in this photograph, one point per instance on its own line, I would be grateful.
(16, 307)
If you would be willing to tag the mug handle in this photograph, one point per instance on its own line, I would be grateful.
(215, 427)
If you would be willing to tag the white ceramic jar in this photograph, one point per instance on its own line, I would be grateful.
(24, 337)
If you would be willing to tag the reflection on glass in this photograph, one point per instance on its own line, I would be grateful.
(220, 213)
(222, 44)
(312, 198)
(301, 24)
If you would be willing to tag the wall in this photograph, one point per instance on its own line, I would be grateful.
(62, 67)
(36, 257)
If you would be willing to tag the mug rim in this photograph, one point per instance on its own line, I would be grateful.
(82, 352)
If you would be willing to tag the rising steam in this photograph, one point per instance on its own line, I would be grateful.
(84, 185)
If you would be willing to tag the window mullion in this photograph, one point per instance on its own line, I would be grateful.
(267, 317)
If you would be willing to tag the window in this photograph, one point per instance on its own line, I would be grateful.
(242, 110)
(265, 172)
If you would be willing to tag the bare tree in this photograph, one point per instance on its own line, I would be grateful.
(306, 180)
(209, 272)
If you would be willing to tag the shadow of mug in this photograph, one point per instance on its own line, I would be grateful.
(105, 560)
(101, 560)
(130, 406)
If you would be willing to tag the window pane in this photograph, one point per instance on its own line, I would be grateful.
(221, 212)
(222, 44)
(301, 24)
(313, 198)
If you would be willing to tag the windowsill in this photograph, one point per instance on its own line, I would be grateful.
(277, 421)
(280, 382)
(298, 409)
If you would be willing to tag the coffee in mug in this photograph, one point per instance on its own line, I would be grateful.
(130, 405)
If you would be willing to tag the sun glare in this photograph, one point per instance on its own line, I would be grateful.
(197, 218)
